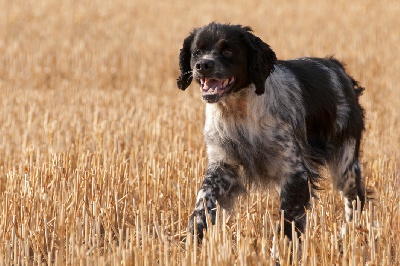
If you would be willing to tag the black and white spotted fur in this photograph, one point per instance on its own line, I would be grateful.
(271, 121)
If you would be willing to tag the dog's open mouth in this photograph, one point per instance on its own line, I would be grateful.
(213, 89)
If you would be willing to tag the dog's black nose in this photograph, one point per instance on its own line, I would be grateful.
(204, 66)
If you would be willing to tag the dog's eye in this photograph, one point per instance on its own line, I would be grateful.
(197, 52)
(227, 53)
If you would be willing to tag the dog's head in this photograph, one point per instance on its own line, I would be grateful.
(223, 59)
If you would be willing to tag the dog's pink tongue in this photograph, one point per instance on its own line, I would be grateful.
(212, 84)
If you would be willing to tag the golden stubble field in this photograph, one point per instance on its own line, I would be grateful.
(101, 155)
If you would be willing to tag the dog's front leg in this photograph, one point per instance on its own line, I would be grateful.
(219, 184)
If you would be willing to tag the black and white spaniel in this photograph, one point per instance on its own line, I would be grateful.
(271, 121)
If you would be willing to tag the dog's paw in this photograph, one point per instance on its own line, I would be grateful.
(198, 220)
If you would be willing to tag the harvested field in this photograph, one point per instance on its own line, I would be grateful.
(101, 155)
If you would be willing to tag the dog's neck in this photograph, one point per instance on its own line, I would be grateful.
(234, 105)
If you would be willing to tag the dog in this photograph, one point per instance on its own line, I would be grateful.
(271, 121)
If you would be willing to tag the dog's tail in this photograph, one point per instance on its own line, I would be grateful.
(357, 88)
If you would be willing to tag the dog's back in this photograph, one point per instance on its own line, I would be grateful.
(329, 105)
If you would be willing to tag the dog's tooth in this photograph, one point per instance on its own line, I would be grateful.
(223, 83)
(231, 79)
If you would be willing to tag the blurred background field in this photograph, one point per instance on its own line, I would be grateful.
(101, 155)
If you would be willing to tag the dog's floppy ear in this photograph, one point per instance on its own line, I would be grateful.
(261, 60)
(186, 75)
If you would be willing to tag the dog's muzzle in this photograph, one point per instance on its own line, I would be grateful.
(213, 89)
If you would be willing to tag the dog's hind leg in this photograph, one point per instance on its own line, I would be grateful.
(220, 184)
(346, 174)
(295, 199)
